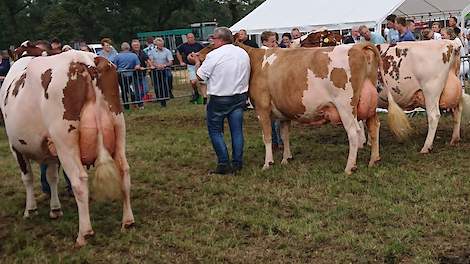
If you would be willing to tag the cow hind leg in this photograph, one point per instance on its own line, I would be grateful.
(362, 135)
(352, 128)
(120, 157)
(456, 118)
(69, 155)
(432, 111)
(53, 180)
(373, 126)
(28, 181)
(265, 121)
(286, 155)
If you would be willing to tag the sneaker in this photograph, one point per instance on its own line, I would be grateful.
(221, 169)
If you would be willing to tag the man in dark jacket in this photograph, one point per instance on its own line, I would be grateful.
(243, 37)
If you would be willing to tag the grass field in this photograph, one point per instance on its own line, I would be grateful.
(411, 208)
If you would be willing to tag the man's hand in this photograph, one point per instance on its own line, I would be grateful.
(182, 63)
(194, 57)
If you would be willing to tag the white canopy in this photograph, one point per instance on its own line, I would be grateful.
(281, 15)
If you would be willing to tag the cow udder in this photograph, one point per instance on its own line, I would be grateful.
(89, 133)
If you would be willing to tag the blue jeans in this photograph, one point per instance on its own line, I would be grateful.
(126, 79)
(45, 185)
(276, 132)
(162, 84)
(230, 107)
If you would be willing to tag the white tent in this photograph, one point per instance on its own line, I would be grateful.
(282, 15)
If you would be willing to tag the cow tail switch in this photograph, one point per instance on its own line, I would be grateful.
(397, 119)
(107, 181)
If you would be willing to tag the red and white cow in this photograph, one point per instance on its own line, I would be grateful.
(316, 86)
(424, 74)
(66, 107)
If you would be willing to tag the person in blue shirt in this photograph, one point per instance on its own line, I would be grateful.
(405, 33)
(392, 34)
(161, 59)
(108, 51)
(372, 37)
(127, 62)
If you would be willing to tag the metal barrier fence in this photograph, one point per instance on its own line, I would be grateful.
(153, 85)
(465, 68)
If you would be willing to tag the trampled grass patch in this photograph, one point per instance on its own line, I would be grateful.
(410, 208)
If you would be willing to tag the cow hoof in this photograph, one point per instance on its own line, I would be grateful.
(30, 213)
(425, 151)
(267, 166)
(286, 161)
(55, 214)
(374, 161)
(81, 239)
(350, 171)
(126, 226)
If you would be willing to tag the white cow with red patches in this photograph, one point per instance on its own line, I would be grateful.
(66, 108)
(424, 74)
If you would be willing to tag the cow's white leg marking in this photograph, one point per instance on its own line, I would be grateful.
(373, 125)
(265, 121)
(69, 155)
(120, 157)
(432, 111)
(53, 179)
(28, 180)
(352, 129)
(286, 155)
(457, 118)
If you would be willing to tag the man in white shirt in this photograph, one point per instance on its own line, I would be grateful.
(226, 70)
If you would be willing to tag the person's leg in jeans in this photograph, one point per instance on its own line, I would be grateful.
(215, 127)
(163, 85)
(137, 89)
(235, 121)
(44, 184)
(169, 75)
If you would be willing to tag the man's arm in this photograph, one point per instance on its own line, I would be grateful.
(180, 58)
(197, 64)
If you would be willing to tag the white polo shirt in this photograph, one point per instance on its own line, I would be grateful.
(226, 70)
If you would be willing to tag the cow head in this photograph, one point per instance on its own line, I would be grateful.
(27, 48)
(321, 39)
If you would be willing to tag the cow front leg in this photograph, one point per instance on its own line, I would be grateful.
(286, 155)
(373, 126)
(53, 180)
(28, 179)
(265, 121)
(456, 118)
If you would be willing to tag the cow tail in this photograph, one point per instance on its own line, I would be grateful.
(397, 119)
(107, 181)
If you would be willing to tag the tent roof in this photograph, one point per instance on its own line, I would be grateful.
(282, 15)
